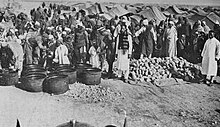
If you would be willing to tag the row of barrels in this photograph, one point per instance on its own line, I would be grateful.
(56, 81)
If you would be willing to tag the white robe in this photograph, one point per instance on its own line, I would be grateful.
(61, 55)
(123, 60)
(170, 41)
(18, 54)
(210, 51)
(94, 58)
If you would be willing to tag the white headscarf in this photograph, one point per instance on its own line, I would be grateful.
(145, 22)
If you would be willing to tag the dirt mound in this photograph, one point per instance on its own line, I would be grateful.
(93, 93)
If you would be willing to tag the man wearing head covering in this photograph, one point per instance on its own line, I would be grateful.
(61, 53)
(148, 38)
(17, 50)
(123, 48)
(110, 50)
(198, 26)
(81, 43)
(187, 29)
(205, 27)
(94, 57)
(170, 40)
(210, 56)
(34, 44)
(181, 46)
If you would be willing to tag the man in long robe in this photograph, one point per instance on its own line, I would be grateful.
(123, 48)
(61, 53)
(18, 53)
(170, 38)
(210, 56)
(149, 38)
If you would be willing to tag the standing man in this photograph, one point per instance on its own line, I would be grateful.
(170, 39)
(181, 46)
(123, 48)
(210, 56)
(61, 53)
(81, 42)
(17, 50)
(149, 38)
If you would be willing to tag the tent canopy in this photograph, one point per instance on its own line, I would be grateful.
(195, 17)
(173, 10)
(152, 13)
(106, 16)
(136, 18)
(102, 8)
(197, 10)
(93, 10)
(119, 11)
(211, 19)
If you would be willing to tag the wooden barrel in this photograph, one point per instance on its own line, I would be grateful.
(56, 84)
(32, 82)
(9, 78)
(71, 72)
(91, 76)
(79, 69)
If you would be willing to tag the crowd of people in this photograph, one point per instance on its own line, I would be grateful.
(49, 37)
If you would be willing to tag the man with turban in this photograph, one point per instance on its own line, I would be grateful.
(148, 39)
(210, 56)
(170, 39)
(123, 48)
(61, 53)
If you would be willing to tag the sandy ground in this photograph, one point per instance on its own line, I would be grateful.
(172, 104)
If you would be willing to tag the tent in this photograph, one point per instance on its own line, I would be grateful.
(136, 18)
(119, 11)
(158, 13)
(195, 17)
(131, 9)
(210, 19)
(106, 16)
(152, 13)
(81, 6)
(93, 10)
(197, 10)
(102, 8)
(173, 10)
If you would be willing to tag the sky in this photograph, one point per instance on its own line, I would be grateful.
(171, 2)
(185, 2)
